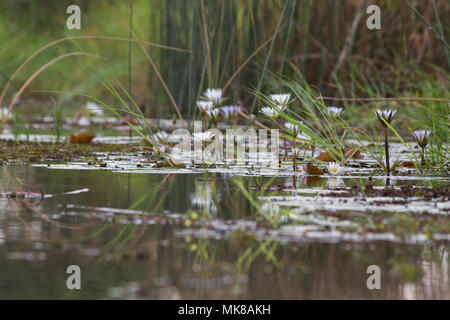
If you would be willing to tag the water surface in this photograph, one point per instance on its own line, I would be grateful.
(192, 236)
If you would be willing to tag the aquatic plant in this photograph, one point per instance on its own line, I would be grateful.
(280, 99)
(161, 136)
(214, 95)
(204, 107)
(295, 153)
(230, 112)
(213, 114)
(385, 116)
(421, 137)
(293, 131)
(94, 109)
(335, 111)
(334, 168)
(269, 112)
(3, 112)
(202, 136)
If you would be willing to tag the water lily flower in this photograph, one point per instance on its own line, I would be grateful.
(84, 122)
(281, 99)
(386, 114)
(421, 137)
(4, 112)
(94, 109)
(334, 168)
(213, 113)
(204, 106)
(422, 140)
(335, 111)
(214, 95)
(293, 129)
(230, 111)
(203, 136)
(161, 136)
(269, 112)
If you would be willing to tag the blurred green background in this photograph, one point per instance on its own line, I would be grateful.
(313, 41)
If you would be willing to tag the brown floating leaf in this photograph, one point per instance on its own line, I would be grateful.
(81, 138)
(352, 153)
(325, 156)
(312, 169)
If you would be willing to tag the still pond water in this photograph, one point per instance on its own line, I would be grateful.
(187, 236)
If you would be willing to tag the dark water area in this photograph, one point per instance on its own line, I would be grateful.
(185, 236)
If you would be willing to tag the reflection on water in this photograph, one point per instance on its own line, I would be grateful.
(190, 236)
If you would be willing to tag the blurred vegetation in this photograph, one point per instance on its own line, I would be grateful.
(310, 40)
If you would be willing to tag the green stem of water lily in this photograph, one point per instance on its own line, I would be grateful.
(205, 120)
(423, 156)
(386, 147)
(294, 154)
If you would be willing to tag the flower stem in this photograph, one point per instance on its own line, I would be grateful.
(205, 120)
(423, 156)
(294, 154)
(386, 147)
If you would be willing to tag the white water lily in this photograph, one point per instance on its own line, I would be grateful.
(213, 113)
(269, 112)
(335, 111)
(214, 95)
(230, 111)
(386, 114)
(203, 136)
(161, 136)
(421, 137)
(4, 112)
(204, 106)
(281, 99)
(334, 168)
(94, 109)
(293, 129)
(84, 122)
